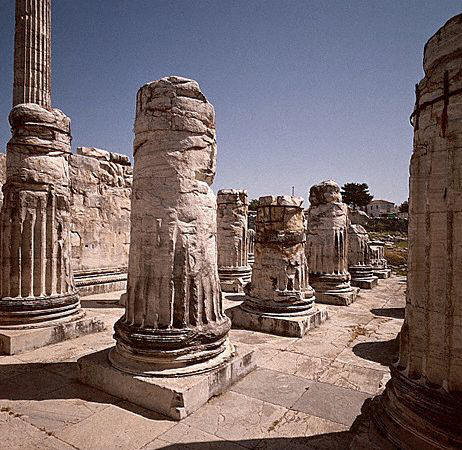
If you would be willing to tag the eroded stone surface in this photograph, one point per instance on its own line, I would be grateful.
(101, 184)
(359, 263)
(279, 298)
(233, 267)
(327, 245)
(420, 407)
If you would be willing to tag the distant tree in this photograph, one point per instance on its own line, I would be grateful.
(404, 207)
(356, 194)
(253, 204)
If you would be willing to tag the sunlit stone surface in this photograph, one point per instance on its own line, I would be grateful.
(279, 299)
(421, 406)
(327, 245)
(359, 264)
(378, 261)
(233, 267)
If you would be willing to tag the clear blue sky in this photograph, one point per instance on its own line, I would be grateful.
(303, 90)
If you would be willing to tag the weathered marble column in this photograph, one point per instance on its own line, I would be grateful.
(172, 352)
(279, 299)
(32, 53)
(174, 322)
(250, 246)
(378, 262)
(37, 292)
(359, 265)
(421, 407)
(327, 245)
(36, 283)
(233, 268)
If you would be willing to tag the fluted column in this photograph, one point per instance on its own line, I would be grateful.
(422, 404)
(174, 322)
(359, 264)
(36, 284)
(32, 53)
(377, 258)
(233, 267)
(327, 245)
(280, 272)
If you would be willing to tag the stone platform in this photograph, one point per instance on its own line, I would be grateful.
(174, 397)
(15, 341)
(290, 326)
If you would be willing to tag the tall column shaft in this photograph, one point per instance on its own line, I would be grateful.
(233, 267)
(422, 404)
(174, 320)
(32, 53)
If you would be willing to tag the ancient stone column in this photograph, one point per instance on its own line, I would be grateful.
(36, 283)
(279, 299)
(174, 322)
(377, 258)
(359, 265)
(233, 268)
(32, 53)
(327, 245)
(421, 407)
(250, 246)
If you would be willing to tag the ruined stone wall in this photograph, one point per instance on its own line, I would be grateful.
(2, 175)
(100, 213)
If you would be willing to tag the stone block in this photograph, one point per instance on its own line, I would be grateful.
(13, 342)
(365, 283)
(174, 397)
(337, 298)
(281, 325)
(382, 274)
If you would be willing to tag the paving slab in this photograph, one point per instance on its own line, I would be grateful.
(331, 402)
(237, 417)
(123, 426)
(273, 387)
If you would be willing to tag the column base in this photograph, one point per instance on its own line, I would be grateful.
(279, 324)
(15, 341)
(339, 298)
(99, 282)
(365, 283)
(409, 415)
(234, 279)
(174, 397)
(382, 274)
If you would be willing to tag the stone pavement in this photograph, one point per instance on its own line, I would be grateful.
(305, 393)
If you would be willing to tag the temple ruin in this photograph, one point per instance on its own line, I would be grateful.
(279, 298)
(327, 245)
(174, 324)
(233, 267)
